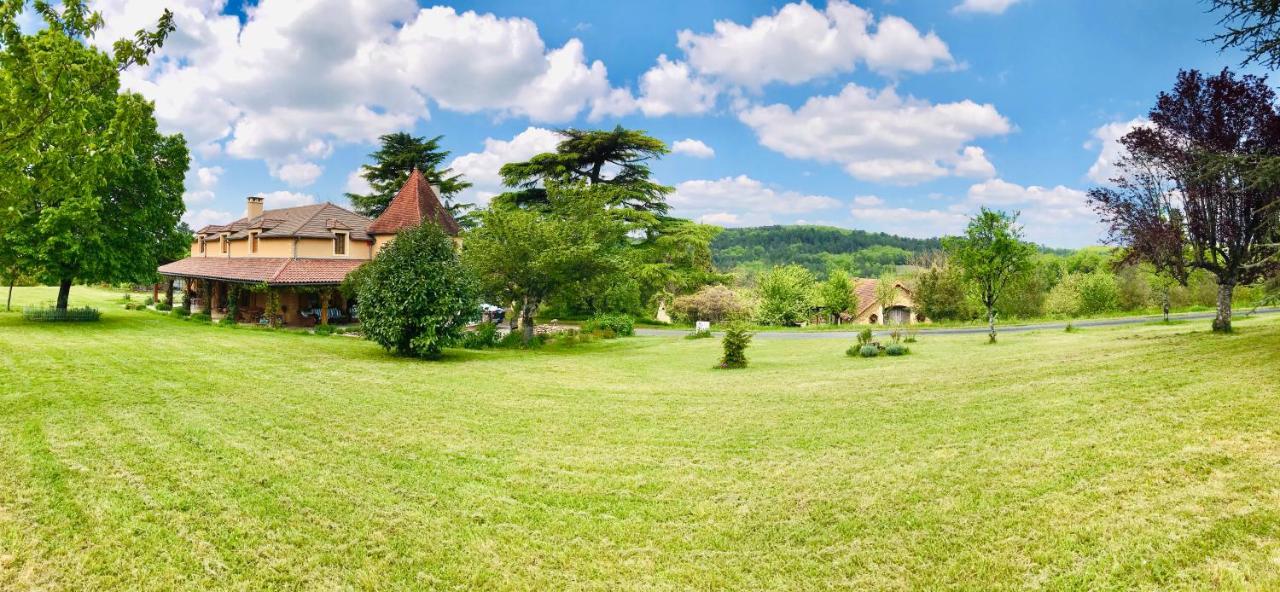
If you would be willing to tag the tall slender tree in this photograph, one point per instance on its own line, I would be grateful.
(1196, 191)
(396, 157)
(992, 255)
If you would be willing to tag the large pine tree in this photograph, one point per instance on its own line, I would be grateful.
(398, 155)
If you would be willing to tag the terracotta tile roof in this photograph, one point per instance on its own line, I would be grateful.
(866, 290)
(415, 202)
(275, 271)
(313, 221)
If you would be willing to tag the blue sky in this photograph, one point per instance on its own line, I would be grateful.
(895, 116)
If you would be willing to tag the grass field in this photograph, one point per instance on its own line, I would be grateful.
(150, 453)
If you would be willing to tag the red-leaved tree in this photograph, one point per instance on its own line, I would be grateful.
(1194, 190)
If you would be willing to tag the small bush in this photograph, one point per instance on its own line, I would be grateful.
(1071, 327)
(201, 317)
(227, 322)
(911, 336)
(41, 314)
(323, 330)
(619, 324)
(896, 349)
(864, 336)
(736, 340)
(149, 301)
(164, 306)
(181, 312)
(704, 334)
(127, 297)
(895, 336)
(485, 336)
(868, 351)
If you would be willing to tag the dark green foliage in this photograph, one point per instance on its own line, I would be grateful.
(704, 334)
(415, 297)
(896, 349)
(735, 342)
(43, 314)
(868, 351)
(786, 296)
(484, 336)
(619, 325)
(227, 321)
(163, 306)
(323, 330)
(865, 336)
(395, 159)
(181, 312)
(201, 317)
(148, 301)
(813, 248)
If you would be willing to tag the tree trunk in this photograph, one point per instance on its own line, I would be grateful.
(1222, 324)
(991, 320)
(1164, 305)
(168, 292)
(8, 304)
(526, 320)
(64, 293)
(324, 307)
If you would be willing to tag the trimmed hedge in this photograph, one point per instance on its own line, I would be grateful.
(41, 314)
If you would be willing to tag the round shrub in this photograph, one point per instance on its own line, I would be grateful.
(227, 322)
(484, 336)
(868, 351)
(896, 349)
(163, 306)
(323, 330)
(415, 297)
(201, 317)
(181, 312)
(621, 325)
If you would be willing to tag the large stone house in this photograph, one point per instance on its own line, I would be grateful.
(901, 309)
(302, 254)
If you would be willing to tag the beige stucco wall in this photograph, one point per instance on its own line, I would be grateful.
(901, 298)
(284, 247)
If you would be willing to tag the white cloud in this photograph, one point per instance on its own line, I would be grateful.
(481, 168)
(692, 147)
(274, 200)
(1058, 216)
(867, 201)
(799, 43)
(1106, 141)
(356, 183)
(298, 77)
(880, 137)
(973, 163)
(194, 198)
(208, 176)
(720, 219)
(200, 218)
(298, 174)
(907, 221)
(747, 200)
(985, 6)
(670, 88)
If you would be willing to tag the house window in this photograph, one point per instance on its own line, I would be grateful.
(202, 245)
(222, 240)
(253, 242)
(340, 243)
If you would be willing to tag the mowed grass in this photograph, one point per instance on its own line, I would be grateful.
(147, 453)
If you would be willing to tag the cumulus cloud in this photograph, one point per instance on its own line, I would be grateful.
(742, 200)
(356, 183)
(1106, 141)
(692, 147)
(882, 136)
(208, 176)
(481, 168)
(274, 200)
(973, 163)
(298, 174)
(298, 77)
(1058, 216)
(985, 6)
(198, 219)
(670, 88)
(799, 43)
(904, 221)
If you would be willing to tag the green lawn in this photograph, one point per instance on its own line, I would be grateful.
(150, 453)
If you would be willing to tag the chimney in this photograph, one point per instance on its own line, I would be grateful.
(254, 207)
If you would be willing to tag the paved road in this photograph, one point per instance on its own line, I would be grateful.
(966, 330)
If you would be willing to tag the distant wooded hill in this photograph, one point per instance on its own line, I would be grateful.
(819, 248)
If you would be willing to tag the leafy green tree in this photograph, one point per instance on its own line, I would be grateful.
(415, 296)
(618, 158)
(529, 255)
(940, 289)
(398, 155)
(837, 295)
(992, 255)
(96, 193)
(786, 295)
(675, 259)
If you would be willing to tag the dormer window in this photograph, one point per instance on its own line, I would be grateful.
(222, 241)
(339, 243)
(202, 245)
(253, 242)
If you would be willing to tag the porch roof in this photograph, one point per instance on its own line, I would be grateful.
(275, 271)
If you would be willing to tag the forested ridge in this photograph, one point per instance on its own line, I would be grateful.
(810, 246)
